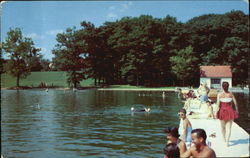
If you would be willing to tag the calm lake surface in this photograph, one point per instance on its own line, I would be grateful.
(90, 123)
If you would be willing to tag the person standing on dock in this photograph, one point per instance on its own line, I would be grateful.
(172, 135)
(226, 113)
(187, 127)
(200, 148)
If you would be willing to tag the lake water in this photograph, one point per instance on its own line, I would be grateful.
(89, 123)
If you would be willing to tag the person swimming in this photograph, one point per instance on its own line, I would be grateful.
(140, 110)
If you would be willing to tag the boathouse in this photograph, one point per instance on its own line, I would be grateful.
(213, 76)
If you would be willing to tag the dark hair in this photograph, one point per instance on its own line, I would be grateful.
(200, 133)
(183, 111)
(171, 150)
(225, 86)
(173, 131)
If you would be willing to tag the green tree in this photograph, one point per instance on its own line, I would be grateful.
(221, 39)
(99, 59)
(172, 38)
(45, 64)
(19, 50)
(184, 64)
(69, 55)
(235, 53)
(35, 61)
(137, 42)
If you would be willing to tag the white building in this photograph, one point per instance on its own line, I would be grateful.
(214, 76)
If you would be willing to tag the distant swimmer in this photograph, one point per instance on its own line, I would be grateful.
(47, 89)
(140, 110)
(36, 106)
(163, 94)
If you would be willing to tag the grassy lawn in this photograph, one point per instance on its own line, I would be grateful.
(58, 79)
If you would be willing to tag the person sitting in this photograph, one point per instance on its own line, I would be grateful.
(187, 127)
(210, 110)
(200, 148)
(172, 135)
(171, 150)
(190, 94)
(180, 95)
(203, 91)
(190, 97)
(206, 111)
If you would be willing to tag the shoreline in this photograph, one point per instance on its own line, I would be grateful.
(170, 89)
(135, 89)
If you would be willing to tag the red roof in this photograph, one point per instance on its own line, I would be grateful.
(215, 71)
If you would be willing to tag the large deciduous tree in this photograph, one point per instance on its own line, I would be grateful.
(141, 50)
(221, 39)
(20, 50)
(69, 55)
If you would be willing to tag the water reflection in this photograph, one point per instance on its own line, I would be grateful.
(87, 123)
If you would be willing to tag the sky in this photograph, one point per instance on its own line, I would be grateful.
(42, 20)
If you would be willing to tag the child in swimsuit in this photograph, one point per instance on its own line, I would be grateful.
(187, 127)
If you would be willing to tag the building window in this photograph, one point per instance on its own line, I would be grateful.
(215, 81)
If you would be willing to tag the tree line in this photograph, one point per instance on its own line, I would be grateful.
(153, 51)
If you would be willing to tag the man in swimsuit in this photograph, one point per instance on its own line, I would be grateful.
(200, 148)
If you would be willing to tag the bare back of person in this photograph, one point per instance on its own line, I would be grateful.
(181, 144)
(187, 123)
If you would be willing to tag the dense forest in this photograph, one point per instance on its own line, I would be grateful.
(152, 51)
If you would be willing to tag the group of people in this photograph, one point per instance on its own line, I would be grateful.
(193, 141)
(176, 147)
(226, 114)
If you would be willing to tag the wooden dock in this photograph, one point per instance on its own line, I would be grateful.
(238, 144)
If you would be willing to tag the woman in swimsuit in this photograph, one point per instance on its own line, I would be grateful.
(226, 113)
(172, 135)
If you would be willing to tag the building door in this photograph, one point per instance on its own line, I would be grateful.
(215, 83)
